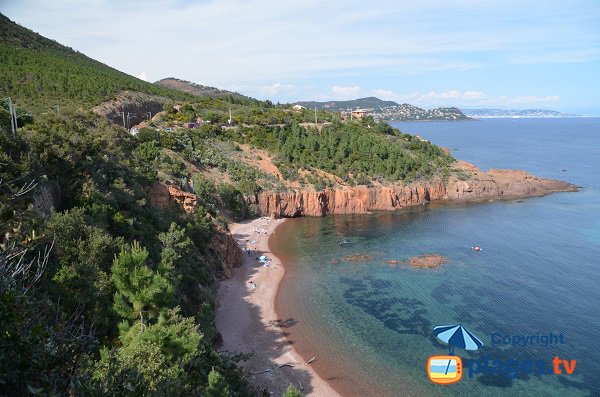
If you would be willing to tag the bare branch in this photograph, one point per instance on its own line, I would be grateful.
(18, 269)
(26, 188)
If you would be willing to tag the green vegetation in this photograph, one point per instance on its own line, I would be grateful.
(41, 74)
(350, 150)
(291, 391)
(123, 304)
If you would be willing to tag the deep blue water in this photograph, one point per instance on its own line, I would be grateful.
(538, 273)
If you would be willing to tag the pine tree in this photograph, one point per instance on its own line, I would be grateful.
(291, 391)
(217, 386)
(141, 292)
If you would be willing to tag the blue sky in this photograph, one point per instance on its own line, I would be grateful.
(507, 54)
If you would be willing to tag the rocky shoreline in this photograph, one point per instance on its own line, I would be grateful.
(476, 185)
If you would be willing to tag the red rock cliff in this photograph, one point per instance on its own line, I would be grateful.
(227, 251)
(479, 186)
(162, 196)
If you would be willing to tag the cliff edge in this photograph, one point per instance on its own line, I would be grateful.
(476, 185)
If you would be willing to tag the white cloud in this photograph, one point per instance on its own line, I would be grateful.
(343, 93)
(142, 76)
(275, 89)
(285, 50)
(464, 98)
(272, 40)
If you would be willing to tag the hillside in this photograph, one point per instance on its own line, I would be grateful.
(41, 74)
(199, 89)
(406, 112)
(389, 110)
(363, 103)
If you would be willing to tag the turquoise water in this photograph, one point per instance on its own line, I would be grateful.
(538, 273)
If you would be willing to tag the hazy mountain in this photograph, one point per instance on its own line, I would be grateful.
(512, 113)
(368, 103)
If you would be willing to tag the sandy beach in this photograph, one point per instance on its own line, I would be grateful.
(247, 320)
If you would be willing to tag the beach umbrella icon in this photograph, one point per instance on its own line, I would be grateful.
(457, 336)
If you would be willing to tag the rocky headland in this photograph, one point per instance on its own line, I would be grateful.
(473, 185)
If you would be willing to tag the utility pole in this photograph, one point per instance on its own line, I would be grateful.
(12, 120)
(122, 114)
(230, 119)
(14, 107)
(316, 115)
(129, 117)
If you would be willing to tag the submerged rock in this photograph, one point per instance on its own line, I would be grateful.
(424, 261)
(428, 261)
(358, 258)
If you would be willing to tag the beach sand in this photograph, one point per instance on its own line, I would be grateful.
(248, 323)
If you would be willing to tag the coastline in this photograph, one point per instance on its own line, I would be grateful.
(248, 323)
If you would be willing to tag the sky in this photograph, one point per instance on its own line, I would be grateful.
(465, 53)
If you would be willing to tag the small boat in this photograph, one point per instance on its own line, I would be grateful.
(476, 248)
(345, 243)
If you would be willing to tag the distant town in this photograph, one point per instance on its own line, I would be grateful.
(386, 110)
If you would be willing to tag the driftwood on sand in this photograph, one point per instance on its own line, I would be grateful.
(286, 365)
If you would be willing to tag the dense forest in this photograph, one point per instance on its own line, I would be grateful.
(353, 152)
(102, 293)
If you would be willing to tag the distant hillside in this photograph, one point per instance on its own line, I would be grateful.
(40, 73)
(389, 110)
(511, 113)
(198, 89)
(407, 112)
(369, 103)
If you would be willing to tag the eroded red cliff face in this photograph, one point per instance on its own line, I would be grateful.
(494, 184)
(162, 196)
(227, 251)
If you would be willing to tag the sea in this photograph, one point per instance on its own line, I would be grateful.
(531, 295)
